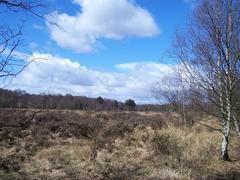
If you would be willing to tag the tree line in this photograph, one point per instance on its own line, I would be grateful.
(24, 100)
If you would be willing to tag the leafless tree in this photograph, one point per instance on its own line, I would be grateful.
(172, 90)
(11, 64)
(208, 55)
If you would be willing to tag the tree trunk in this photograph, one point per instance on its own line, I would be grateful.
(226, 122)
(225, 142)
(235, 121)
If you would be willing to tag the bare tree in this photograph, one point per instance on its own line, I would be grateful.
(171, 90)
(11, 64)
(208, 54)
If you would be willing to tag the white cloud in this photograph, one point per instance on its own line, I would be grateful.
(49, 74)
(149, 67)
(112, 19)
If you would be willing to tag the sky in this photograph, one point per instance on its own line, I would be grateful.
(111, 48)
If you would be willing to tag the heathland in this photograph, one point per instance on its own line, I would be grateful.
(68, 144)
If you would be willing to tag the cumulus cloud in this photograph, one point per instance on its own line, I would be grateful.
(49, 74)
(111, 19)
(145, 67)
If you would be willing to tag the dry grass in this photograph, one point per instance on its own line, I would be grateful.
(108, 145)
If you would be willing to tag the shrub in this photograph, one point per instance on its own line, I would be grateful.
(168, 148)
(8, 164)
(130, 104)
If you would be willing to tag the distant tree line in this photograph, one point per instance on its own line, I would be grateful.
(22, 99)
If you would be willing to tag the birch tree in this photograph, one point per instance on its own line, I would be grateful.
(209, 52)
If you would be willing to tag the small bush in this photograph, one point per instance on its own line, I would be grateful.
(10, 176)
(8, 165)
(67, 124)
(168, 148)
(166, 145)
(118, 172)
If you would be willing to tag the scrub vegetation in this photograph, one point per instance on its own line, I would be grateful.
(111, 145)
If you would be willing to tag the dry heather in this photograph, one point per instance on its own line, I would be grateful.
(110, 145)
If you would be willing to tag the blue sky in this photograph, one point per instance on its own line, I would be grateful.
(110, 48)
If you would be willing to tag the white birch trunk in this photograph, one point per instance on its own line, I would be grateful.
(227, 117)
(225, 142)
(226, 130)
(235, 121)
